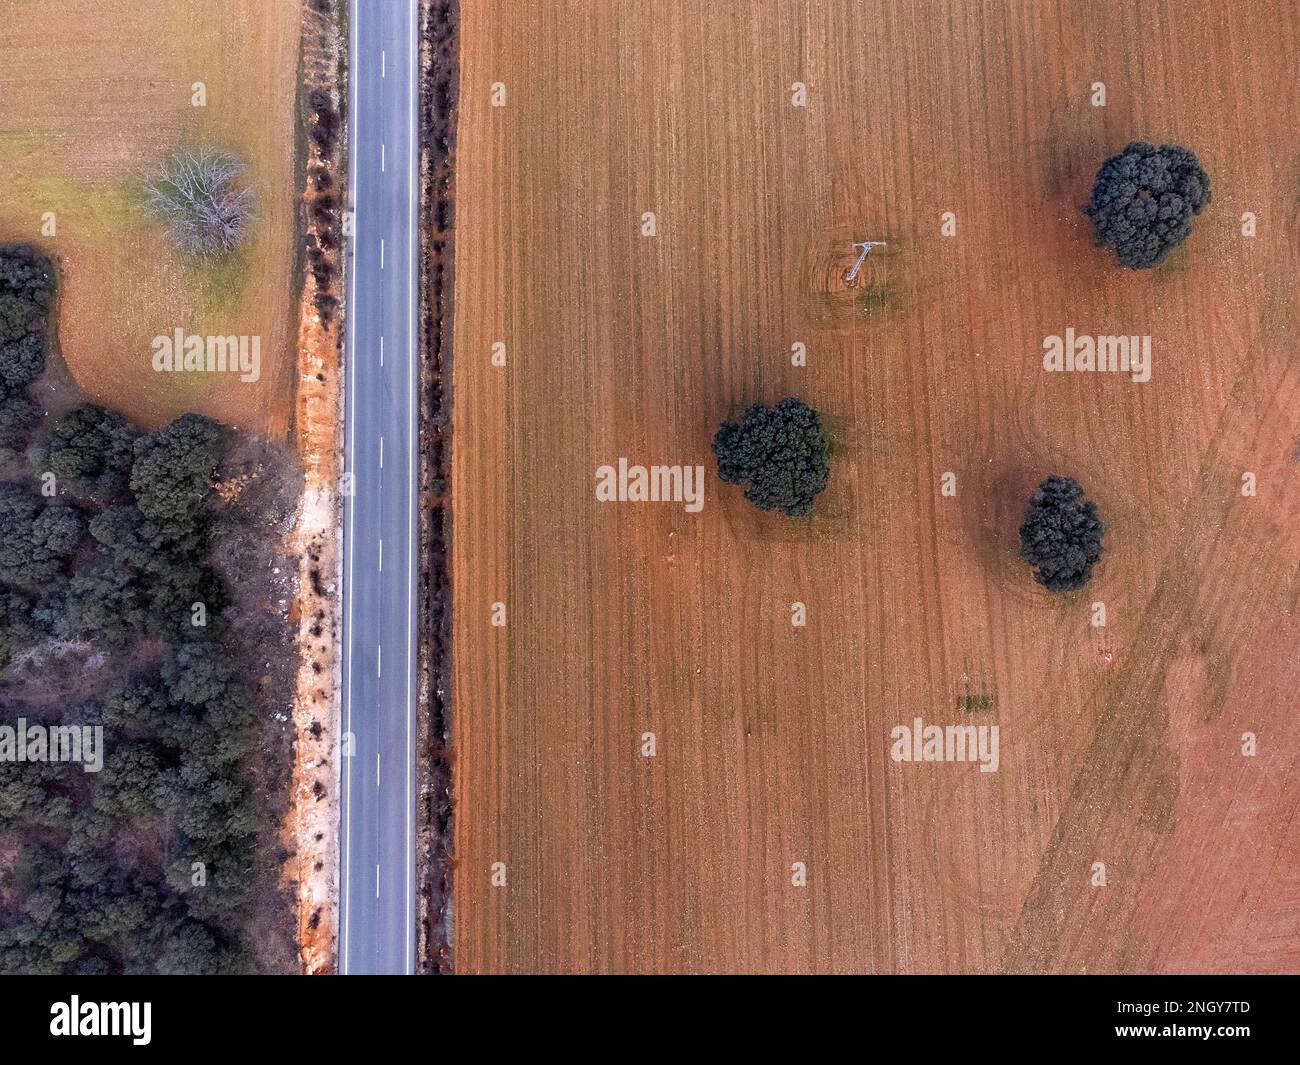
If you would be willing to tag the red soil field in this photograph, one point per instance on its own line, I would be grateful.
(1119, 744)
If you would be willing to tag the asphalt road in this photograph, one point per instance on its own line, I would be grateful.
(377, 871)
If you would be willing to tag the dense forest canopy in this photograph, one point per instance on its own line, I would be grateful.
(150, 863)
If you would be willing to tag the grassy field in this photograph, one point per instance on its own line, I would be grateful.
(93, 100)
(1120, 744)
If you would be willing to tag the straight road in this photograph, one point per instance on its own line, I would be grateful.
(377, 855)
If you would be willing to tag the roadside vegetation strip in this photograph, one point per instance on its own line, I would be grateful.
(439, 100)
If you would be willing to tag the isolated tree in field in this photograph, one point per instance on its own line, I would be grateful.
(1144, 200)
(1061, 535)
(201, 197)
(780, 452)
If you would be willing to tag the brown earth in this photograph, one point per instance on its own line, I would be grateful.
(94, 98)
(1119, 744)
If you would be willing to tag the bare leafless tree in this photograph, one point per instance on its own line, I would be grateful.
(200, 197)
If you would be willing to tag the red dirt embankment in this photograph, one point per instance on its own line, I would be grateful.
(311, 830)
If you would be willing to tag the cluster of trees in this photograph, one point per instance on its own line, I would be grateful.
(26, 296)
(149, 864)
(177, 738)
(782, 454)
(141, 506)
(81, 894)
(1142, 206)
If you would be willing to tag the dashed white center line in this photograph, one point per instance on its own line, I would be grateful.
(381, 253)
(381, 452)
(378, 776)
(381, 556)
(383, 158)
(381, 351)
(376, 880)
(383, 62)
(379, 660)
